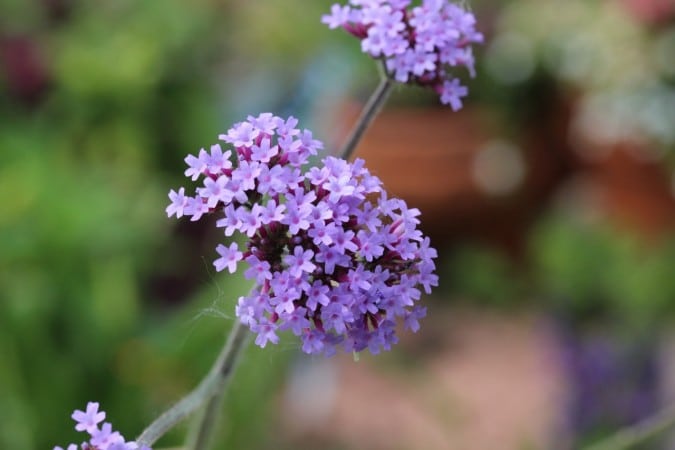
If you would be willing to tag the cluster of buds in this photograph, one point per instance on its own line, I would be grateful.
(334, 259)
(418, 44)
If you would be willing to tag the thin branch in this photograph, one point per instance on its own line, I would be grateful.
(225, 368)
(177, 413)
(372, 108)
(211, 386)
(633, 435)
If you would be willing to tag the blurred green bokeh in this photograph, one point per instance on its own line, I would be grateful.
(598, 273)
(102, 298)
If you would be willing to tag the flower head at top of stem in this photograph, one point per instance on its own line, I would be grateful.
(419, 44)
(334, 259)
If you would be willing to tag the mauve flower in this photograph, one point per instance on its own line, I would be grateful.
(103, 438)
(333, 257)
(419, 44)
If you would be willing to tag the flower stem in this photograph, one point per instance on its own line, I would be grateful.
(223, 370)
(212, 386)
(372, 108)
(631, 436)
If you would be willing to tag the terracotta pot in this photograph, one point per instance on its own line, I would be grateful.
(427, 156)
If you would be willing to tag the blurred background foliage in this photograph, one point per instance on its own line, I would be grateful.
(102, 297)
(595, 272)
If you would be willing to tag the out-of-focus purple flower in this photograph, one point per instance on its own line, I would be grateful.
(103, 438)
(452, 92)
(178, 203)
(419, 44)
(88, 420)
(334, 259)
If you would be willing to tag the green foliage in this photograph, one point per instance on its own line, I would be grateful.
(593, 272)
(84, 173)
(481, 274)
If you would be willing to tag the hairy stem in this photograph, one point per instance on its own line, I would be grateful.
(211, 386)
(223, 370)
(372, 108)
(631, 436)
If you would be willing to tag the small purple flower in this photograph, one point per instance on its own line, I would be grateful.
(419, 44)
(196, 165)
(317, 295)
(412, 318)
(309, 144)
(296, 217)
(196, 207)
(104, 438)
(272, 212)
(241, 135)
(338, 17)
(88, 420)
(321, 233)
(338, 187)
(312, 341)
(264, 152)
(265, 123)
(215, 191)
(336, 316)
(258, 270)
(178, 203)
(246, 311)
(285, 301)
(218, 160)
(452, 93)
(286, 127)
(330, 257)
(300, 261)
(247, 173)
(370, 245)
(341, 240)
(423, 62)
(296, 321)
(266, 331)
(358, 279)
(229, 256)
(249, 219)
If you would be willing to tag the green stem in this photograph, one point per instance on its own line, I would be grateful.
(631, 436)
(223, 371)
(177, 413)
(372, 108)
(211, 386)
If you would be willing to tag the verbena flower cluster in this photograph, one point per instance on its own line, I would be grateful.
(103, 438)
(419, 44)
(334, 259)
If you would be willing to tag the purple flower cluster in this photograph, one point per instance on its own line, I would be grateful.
(334, 259)
(103, 438)
(418, 44)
